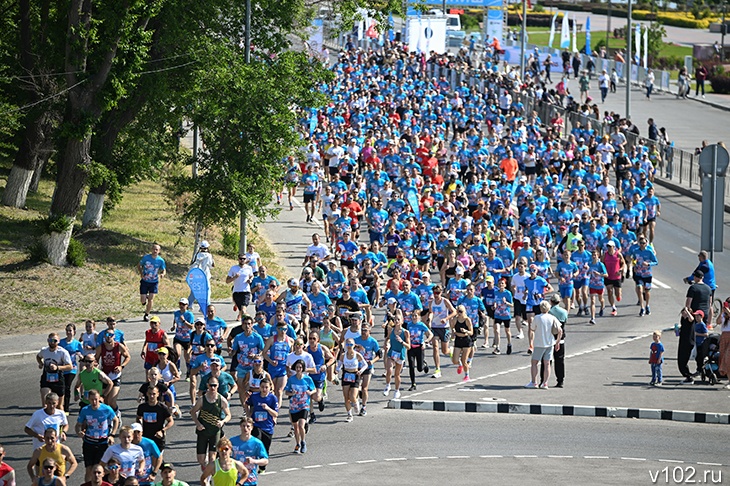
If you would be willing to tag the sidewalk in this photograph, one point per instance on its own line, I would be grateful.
(593, 380)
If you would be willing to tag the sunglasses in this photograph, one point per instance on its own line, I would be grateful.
(212, 385)
(257, 361)
(49, 467)
(210, 345)
(86, 361)
(113, 467)
(53, 341)
(224, 449)
(349, 345)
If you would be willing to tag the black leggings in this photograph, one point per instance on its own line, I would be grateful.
(68, 381)
(415, 359)
(264, 437)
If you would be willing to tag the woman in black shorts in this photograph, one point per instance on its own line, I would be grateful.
(463, 330)
(353, 365)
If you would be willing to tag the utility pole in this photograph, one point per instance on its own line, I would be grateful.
(608, 27)
(247, 58)
(723, 30)
(629, 61)
(523, 43)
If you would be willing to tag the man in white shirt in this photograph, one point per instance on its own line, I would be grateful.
(545, 334)
(334, 154)
(317, 249)
(241, 275)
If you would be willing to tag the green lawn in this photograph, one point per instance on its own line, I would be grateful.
(540, 37)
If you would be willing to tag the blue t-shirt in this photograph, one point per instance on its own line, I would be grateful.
(182, 332)
(151, 451)
(73, 347)
(700, 328)
(299, 386)
(370, 348)
(98, 422)
(261, 417)
(502, 310)
(203, 362)
(151, 268)
(319, 303)
(245, 347)
(253, 447)
(417, 330)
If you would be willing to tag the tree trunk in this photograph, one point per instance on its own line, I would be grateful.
(16, 188)
(94, 208)
(56, 245)
(26, 160)
(38, 174)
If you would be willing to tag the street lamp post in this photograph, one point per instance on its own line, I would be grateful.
(523, 46)
(723, 30)
(608, 26)
(628, 61)
(247, 58)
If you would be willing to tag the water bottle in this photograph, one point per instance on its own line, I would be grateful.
(676, 329)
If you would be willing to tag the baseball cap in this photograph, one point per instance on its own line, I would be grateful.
(184, 301)
(392, 300)
(459, 271)
(610, 243)
(199, 320)
(136, 427)
(702, 314)
(163, 350)
(167, 465)
(307, 270)
(489, 278)
(452, 238)
(525, 240)
(154, 319)
(294, 282)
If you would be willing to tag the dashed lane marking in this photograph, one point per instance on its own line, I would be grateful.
(688, 249)
(659, 283)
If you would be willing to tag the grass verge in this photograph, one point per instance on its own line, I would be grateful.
(38, 297)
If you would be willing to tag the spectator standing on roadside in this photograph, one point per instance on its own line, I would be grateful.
(700, 76)
(708, 270)
(656, 358)
(151, 269)
(649, 83)
(545, 335)
(559, 354)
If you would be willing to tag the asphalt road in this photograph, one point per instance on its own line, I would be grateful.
(395, 434)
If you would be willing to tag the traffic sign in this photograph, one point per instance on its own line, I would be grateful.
(714, 154)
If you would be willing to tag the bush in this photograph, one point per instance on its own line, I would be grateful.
(469, 22)
(230, 243)
(76, 255)
(720, 83)
(668, 62)
(37, 252)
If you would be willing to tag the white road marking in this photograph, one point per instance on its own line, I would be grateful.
(458, 457)
(524, 456)
(395, 459)
(314, 466)
(596, 457)
(426, 458)
(561, 457)
(688, 249)
(660, 284)
(337, 464)
(671, 460)
(366, 461)
(290, 469)
(633, 458)
(709, 463)
(491, 457)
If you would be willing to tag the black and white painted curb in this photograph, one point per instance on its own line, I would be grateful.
(565, 410)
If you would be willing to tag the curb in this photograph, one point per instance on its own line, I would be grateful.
(684, 191)
(562, 410)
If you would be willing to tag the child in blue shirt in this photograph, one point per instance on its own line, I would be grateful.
(656, 358)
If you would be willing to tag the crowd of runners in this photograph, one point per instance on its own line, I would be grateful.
(454, 224)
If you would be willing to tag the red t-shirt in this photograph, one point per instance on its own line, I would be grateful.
(154, 341)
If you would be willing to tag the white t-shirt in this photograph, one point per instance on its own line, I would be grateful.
(203, 261)
(40, 421)
(305, 356)
(542, 325)
(336, 154)
(320, 251)
(253, 260)
(243, 281)
(128, 458)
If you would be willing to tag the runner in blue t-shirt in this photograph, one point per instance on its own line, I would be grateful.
(250, 451)
(299, 389)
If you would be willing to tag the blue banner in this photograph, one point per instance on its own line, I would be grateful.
(391, 23)
(412, 198)
(200, 288)
(589, 49)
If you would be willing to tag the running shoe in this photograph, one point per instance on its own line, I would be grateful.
(436, 374)
(509, 349)
(641, 312)
(290, 434)
(425, 369)
(614, 311)
(304, 447)
(335, 381)
(459, 370)
(531, 385)
(544, 386)
(397, 394)
(349, 417)
(592, 322)
(484, 346)
(580, 312)
(412, 387)
(466, 378)
(363, 411)
(297, 449)
(521, 335)
(496, 351)
(529, 350)
(312, 418)
(320, 405)
(600, 312)
(146, 317)
(386, 390)
(648, 311)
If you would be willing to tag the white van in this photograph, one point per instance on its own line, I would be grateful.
(453, 22)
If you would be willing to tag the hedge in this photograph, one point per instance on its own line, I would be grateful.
(720, 84)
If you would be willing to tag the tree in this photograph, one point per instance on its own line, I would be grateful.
(248, 119)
